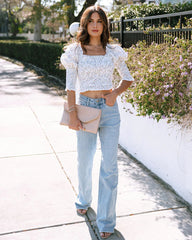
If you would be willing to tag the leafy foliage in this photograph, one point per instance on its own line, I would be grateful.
(144, 10)
(163, 80)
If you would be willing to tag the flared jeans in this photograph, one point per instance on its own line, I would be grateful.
(108, 177)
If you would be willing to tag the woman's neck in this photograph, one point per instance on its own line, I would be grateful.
(95, 42)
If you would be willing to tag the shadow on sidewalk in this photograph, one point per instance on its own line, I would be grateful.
(26, 76)
(163, 197)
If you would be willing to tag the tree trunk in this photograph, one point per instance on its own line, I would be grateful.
(71, 8)
(37, 13)
(87, 4)
(7, 19)
(70, 11)
(37, 30)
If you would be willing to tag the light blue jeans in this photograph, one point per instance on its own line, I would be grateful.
(108, 179)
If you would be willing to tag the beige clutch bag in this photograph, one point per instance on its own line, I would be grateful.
(89, 117)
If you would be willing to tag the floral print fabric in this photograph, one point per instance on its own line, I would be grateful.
(94, 72)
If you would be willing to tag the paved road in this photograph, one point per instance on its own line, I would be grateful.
(38, 180)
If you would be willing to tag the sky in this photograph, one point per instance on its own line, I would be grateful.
(106, 3)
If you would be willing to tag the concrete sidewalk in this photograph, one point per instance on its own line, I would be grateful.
(38, 179)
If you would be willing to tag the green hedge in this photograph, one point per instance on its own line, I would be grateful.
(43, 55)
(13, 38)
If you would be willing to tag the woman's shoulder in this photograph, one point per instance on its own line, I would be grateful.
(117, 51)
(72, 47)
(70, 56)
(114, 46)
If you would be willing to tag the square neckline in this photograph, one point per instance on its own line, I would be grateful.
(93, 55)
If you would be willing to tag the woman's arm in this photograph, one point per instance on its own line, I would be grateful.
(74, 122)
(111, 97)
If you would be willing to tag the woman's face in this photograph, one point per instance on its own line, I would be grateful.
(95, 25)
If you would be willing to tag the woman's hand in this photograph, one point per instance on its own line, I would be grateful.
(110, 98)
(74, 122)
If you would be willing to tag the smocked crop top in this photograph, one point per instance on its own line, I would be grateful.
(93, 72)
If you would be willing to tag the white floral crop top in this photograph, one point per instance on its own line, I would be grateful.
(94, 72)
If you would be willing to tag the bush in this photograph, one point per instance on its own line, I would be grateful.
(163, 80)
(43, 55)
(152, 9)
(13, 38)
(146, 10)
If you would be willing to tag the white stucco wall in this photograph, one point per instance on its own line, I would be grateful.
(163, 148)
(30, 36)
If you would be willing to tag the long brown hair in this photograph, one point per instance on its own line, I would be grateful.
(83, 36)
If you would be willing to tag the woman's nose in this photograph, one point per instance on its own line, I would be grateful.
(95, 24)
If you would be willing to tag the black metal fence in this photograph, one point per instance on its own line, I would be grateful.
(130, 31)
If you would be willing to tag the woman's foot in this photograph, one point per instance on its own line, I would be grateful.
(82, 211)
(105, 235)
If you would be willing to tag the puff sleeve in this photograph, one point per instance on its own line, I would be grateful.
(120, 57)
(69, 59)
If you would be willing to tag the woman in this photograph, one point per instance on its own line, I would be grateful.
(92, 60)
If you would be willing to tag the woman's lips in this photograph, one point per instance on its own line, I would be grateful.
(95, 30)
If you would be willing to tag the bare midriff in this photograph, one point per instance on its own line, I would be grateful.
(96, 94)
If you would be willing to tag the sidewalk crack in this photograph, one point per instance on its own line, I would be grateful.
(40, 228)
(152, 211)
(54, 152)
